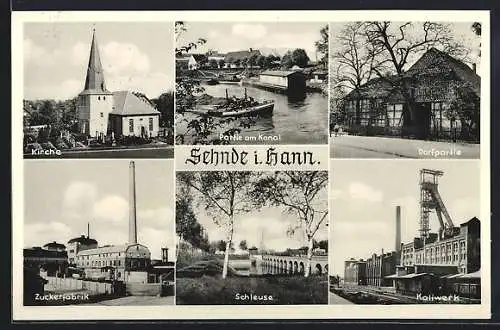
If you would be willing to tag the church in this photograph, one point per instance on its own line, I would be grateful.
(103, 113)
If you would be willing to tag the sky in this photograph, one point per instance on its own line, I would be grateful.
(61, 197)
(364, 196)
(462, 33)
(269, 38)
(271, 223)
(135, 56)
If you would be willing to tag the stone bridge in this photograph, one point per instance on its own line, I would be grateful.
(294, 264)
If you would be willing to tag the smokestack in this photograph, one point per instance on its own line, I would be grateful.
(132, 222)
(398, 228)
(88, 229)
(164, 254)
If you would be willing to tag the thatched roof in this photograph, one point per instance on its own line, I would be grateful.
(436, 62)
(231, 57)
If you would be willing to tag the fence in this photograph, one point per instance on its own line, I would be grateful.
(75, 284)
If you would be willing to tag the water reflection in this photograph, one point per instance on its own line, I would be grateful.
(297, 119)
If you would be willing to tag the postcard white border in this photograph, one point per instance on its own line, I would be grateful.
(20, 312)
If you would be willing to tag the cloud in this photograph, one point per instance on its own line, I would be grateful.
(111, 208)
(152, 84)
(42, 233)
(78, 200)
(32, 51)
(358, 190)
(213, 34)
(124, 58)
(250, 31)
(79, 54)
(160, 218)
(463, 209)
(156, 239)
(335, 194)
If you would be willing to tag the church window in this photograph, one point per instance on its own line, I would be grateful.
(150, 124)
(131, 125)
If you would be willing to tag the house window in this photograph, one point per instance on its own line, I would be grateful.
(102, 114)
(131, 125)
(151, 124)
(394, 114)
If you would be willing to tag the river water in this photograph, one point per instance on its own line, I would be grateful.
(296, 120)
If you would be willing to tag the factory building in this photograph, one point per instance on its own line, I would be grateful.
(446, 262)
(127, 263)
(355, 272)
(52, 261)
(78, 244)
(461, 251)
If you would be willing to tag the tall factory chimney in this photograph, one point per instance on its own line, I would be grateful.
(132, 221)
(398, 229)
(88, 229)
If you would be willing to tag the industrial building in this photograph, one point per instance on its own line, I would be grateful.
(127, 266)
(445, 262)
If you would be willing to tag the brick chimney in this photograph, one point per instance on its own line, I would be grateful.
(164, 254)
(398, 229)
(132, 221)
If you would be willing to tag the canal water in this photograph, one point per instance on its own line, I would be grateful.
(296, 120)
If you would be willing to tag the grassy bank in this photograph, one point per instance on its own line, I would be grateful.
(277, 290)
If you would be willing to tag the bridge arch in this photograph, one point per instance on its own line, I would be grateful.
(290, 267)
(317, 269)
(301, 268)
(326, 269)
(295, 267)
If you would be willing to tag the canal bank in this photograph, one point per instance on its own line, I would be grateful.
(297, 119)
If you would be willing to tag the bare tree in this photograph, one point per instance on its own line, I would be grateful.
(397, 45)
(224, 195)
(400, 43)
(355, 62)
(303, 194)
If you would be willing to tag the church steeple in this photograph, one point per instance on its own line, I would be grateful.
(95, 75)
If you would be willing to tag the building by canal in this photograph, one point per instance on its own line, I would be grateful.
(295, 120)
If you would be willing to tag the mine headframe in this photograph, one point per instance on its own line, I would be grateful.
(430, 200)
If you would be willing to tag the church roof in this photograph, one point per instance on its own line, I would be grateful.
(127, 103)
(94, 83)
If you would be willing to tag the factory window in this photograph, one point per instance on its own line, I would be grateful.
(131, 125)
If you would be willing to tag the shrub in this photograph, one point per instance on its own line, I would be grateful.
(213, 290)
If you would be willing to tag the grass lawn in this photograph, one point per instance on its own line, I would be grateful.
(276, 290)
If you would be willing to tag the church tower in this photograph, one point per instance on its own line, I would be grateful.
(95, 102)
